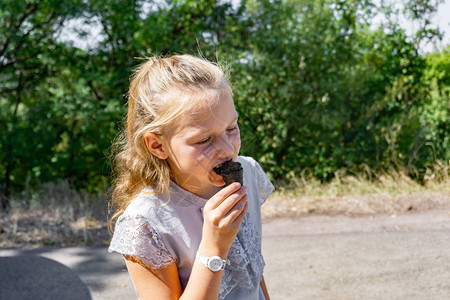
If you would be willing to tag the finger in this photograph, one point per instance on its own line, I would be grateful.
(218, 215)
(237, 211)
(227, 204)
(240, 217)
(218, 198)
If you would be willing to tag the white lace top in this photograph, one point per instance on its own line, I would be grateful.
(161, 232)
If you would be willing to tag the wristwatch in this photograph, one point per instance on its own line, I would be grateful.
(214, 263)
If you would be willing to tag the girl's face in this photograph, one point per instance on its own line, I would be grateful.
(202, 142)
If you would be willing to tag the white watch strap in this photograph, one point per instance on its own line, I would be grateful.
(201, 258)
(205, 260)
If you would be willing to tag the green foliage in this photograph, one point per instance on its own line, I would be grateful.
(318, 85)
(435, 114)
(322, 91)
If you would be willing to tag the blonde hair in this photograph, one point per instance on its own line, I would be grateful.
(161, 90)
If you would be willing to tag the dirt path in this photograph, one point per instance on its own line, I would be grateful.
(436, 219)
(404, 256)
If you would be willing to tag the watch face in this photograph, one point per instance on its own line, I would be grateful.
(215, 263)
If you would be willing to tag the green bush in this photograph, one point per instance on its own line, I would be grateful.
(319, 86)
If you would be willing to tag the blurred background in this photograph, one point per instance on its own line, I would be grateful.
(336, 98)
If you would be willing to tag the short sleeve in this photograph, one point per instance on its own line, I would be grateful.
(134, 236)
(265, 187)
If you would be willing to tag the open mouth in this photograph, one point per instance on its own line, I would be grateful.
(218, 169)
(230, 171)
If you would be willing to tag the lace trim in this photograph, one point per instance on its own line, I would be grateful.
(133, 236)
(246, 262)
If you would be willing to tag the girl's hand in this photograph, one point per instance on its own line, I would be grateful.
(223, 215)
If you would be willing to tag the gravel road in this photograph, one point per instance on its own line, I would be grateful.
(403, 256)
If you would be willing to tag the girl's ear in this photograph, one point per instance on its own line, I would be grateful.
(154, 145)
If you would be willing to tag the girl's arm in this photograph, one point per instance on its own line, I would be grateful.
(223, 215)
(165, 284)
(264, 289)
(154, 284)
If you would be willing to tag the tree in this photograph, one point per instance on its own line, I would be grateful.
(317, 85)
(28, 40)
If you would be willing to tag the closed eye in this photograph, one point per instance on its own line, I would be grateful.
(204, 141)
(232, 129)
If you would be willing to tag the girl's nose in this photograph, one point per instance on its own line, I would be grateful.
(225, 147)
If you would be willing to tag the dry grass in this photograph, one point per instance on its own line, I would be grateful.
(59, 216)
(367, 193)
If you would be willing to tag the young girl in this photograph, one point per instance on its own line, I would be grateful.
(182, 233)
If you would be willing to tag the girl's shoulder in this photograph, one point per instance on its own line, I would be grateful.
(153, 211)
(148, 204)
(160, 209)
(139, 231)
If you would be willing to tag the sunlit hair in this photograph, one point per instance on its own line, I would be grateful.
(162, 90)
